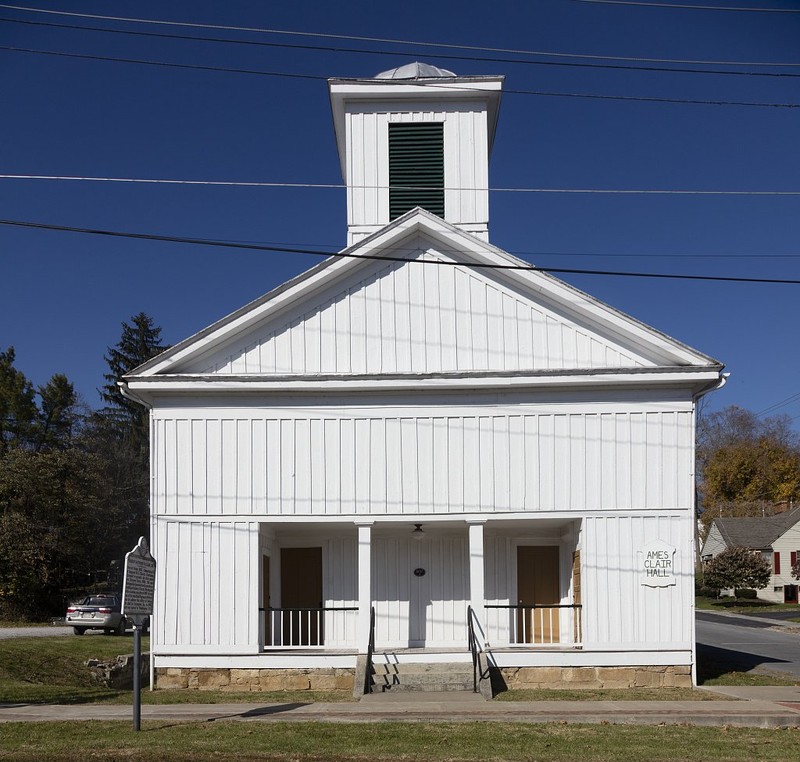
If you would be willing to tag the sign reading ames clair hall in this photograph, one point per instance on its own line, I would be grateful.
(657, 564)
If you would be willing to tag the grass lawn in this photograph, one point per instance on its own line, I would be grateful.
(51, 670)
(609, 694)
(417, 742)
(742, 605)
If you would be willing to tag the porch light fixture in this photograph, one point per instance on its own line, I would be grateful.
(418, 534)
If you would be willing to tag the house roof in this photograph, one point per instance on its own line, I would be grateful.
(757, 533)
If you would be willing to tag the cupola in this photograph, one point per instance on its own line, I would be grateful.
(415, 136)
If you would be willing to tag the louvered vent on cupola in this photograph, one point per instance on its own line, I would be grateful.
(416, 168)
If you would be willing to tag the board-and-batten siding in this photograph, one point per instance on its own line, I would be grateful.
(618, 609)
(430, 608)
(209, 584)
(465, 162)
(419, 319)
(373, 461)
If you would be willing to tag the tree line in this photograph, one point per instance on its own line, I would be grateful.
(73, 481)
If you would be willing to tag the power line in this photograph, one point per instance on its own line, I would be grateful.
(342, 186)
(451, 57)
(778, 405)
(389, 40)
(388, 258)
(686, 6)
(316, 77)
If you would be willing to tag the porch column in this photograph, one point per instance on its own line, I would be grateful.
(364, 585)
(477, 593)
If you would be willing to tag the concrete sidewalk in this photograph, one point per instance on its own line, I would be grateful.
(768, 707)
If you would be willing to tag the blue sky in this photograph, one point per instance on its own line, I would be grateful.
(65, 295)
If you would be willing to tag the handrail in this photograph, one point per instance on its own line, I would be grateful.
(475, 648)
(532, 606)
(310, 608)
(301, 626)
(370, 651)
(548, 618)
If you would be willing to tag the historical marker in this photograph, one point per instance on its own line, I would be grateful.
(139, 582)
(138, 588)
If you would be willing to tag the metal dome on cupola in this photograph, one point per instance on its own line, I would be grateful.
(415, 136)
(416, 70)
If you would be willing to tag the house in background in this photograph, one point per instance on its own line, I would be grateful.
(776, 537)
(422, 449)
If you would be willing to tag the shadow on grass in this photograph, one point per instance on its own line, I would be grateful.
(55, 697)
(713, 662)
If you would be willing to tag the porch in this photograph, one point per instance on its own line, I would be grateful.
(395, 586)
(508, 626)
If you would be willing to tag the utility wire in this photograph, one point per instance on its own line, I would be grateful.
(778, 405)
(447, 56)
(388, 40)
(442, 85)
(386, 258)
(682, 6)
(342, 186)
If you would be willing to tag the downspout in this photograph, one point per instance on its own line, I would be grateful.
(128, 394)
(723, 379)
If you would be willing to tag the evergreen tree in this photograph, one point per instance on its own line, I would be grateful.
(120, 431)
(17, 405)
(58, 418)
(140, 341)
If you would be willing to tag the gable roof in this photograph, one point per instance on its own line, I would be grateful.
(758, 532)
(373, 310)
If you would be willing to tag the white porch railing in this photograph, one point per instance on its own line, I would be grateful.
(533, 625)
(300, 627)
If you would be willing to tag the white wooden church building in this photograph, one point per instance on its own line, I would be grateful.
(412, 449)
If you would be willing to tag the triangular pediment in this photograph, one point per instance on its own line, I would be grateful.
(402, 313)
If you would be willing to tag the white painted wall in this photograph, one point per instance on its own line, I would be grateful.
(620, 612)
(207, 586)
(323, 459)
(401, 318)
(427, 610)
(466, 162)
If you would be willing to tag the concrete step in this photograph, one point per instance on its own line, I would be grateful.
(417, 668)
(426, 676)
(423, 688)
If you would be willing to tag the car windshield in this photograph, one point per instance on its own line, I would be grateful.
(97, 600)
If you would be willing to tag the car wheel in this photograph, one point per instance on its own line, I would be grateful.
(79, 630)
(120, 630)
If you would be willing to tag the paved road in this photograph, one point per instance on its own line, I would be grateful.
(33, 632)
(747, 644)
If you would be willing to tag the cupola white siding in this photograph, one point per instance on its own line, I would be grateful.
(363, 111)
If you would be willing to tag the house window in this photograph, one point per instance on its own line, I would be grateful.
(777, 589)
(416, 168)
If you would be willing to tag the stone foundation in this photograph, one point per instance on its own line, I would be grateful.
(255, 680)
(596, 677)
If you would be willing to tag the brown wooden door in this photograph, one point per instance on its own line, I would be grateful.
(537, 584)
(301, 588)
